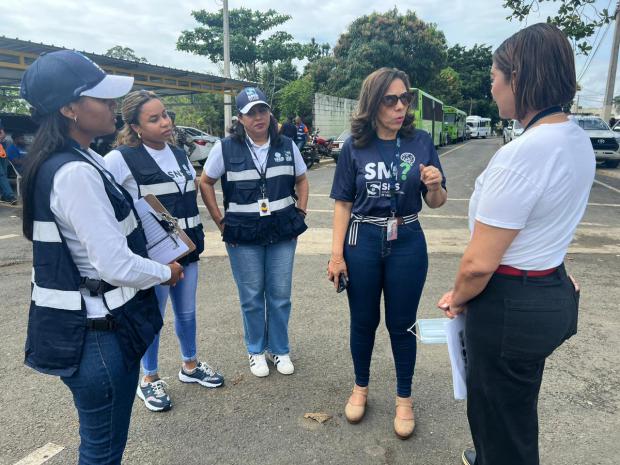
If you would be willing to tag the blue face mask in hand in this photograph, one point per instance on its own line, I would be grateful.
(430, 331)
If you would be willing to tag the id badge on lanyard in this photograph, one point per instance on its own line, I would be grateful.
(392, 223)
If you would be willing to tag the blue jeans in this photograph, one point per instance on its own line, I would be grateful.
(5, 188)
(103, 393)
(183, 297)
(400, 276)
(263, 274)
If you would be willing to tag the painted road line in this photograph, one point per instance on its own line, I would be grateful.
(9, 236)
(616, 205)
(452, 150)
(607, 186)
(41, 455)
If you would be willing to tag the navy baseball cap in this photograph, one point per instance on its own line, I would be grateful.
(58, 78)
(249, 97)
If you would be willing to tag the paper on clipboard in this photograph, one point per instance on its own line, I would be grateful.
(455, 332)
(162, 246)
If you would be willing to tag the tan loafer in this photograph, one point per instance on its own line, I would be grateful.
(404, 421)
(356, 408)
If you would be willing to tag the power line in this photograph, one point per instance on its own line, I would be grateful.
(591, 57)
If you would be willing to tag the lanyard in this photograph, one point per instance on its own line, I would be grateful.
(262, 170)
(542, 114)
(393, 176)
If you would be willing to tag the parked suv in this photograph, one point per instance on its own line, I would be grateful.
(606, 143)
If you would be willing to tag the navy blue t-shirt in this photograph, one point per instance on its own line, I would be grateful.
(363, 175)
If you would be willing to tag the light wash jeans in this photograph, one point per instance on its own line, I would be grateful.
(263, 275)
(183, 297)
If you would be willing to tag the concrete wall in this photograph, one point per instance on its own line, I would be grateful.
(332, 115)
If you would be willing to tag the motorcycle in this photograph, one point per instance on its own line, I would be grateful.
(316, 148)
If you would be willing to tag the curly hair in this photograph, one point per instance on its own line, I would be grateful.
(374, 87)
(130, 111)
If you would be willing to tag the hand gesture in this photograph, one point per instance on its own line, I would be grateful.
(431, 177)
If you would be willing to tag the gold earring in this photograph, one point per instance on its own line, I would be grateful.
(139, 135)
(75, 119)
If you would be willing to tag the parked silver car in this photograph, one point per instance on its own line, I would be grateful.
(606, 143)
(197, 143)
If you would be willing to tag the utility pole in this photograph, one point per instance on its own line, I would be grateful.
(613, 65)
(227, 99)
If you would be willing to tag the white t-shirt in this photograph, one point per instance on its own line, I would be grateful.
(165, 159)
(214, 166)
(538, 184)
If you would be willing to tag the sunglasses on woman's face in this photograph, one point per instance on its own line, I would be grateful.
(390, 100)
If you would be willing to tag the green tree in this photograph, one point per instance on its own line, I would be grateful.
(296, 99)
(249, 46)
(202, 111)
(474, 65)
(579, 19)
(276, 76)
(447, 86)
(124, 53)
(11, 103)
(386, 39)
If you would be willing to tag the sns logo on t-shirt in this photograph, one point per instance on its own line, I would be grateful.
(377, 177)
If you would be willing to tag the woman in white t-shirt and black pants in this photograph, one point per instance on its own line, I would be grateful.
(520, 303)
(145, 162)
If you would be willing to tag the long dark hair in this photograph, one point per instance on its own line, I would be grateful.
(374, 87)
(237, 131)
(52, 135)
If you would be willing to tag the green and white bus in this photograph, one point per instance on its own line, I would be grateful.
(453, 124)
(428, 112)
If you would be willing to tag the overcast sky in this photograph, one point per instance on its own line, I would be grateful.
(151, 27)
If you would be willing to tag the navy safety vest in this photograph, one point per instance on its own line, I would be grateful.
(241, 186)
(57, 317)
(180, 203)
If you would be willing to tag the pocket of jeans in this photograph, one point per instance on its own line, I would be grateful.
(534, 328)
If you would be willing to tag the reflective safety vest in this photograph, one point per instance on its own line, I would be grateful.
(241, 186)
(180, 202)
(57, 317)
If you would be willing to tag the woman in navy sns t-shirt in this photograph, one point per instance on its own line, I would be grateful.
(384, 171)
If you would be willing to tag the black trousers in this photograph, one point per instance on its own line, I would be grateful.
(511, 328)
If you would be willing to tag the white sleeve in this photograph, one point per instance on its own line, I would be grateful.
(300, 165)
(214, 166)
(507, 199)
(115, 164)
(79, 199)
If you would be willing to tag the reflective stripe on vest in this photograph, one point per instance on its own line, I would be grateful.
(253, 207)
(129, 224)
(159, 189)
(187, 223)
(53, 298)
(45, 231)
(120, 296)
(252, 175)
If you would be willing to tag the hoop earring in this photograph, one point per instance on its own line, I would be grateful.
(75, 119)
(139, 135)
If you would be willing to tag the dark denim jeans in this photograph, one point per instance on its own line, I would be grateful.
(103, 392)
(400, 276)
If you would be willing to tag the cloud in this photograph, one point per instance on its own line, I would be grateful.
(151, 28)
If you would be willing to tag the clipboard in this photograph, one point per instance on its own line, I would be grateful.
(166, 241)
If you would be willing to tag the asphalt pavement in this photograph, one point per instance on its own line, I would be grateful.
(261, 421)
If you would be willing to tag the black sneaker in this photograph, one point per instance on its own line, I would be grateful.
(154, 395)
(203, 374)
(12, 201)
(469, 457)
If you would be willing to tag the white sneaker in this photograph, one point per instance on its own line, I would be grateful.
(258, 365)
(282, 363)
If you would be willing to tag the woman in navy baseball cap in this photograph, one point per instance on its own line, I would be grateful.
(93, 311)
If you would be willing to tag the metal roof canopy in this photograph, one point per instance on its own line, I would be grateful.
(16, 55)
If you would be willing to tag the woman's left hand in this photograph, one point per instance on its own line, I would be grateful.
(449, 308)
(431, 177)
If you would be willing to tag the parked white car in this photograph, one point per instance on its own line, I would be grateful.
(606, 143)
(197, 143)
(512, 131)
(339, 142)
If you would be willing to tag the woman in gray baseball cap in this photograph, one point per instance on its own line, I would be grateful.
(93, 311)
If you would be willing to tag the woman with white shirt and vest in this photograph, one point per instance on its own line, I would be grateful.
(520, 304)
(93, 311)
(385, 170)
(145, 162)
(265, 196)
